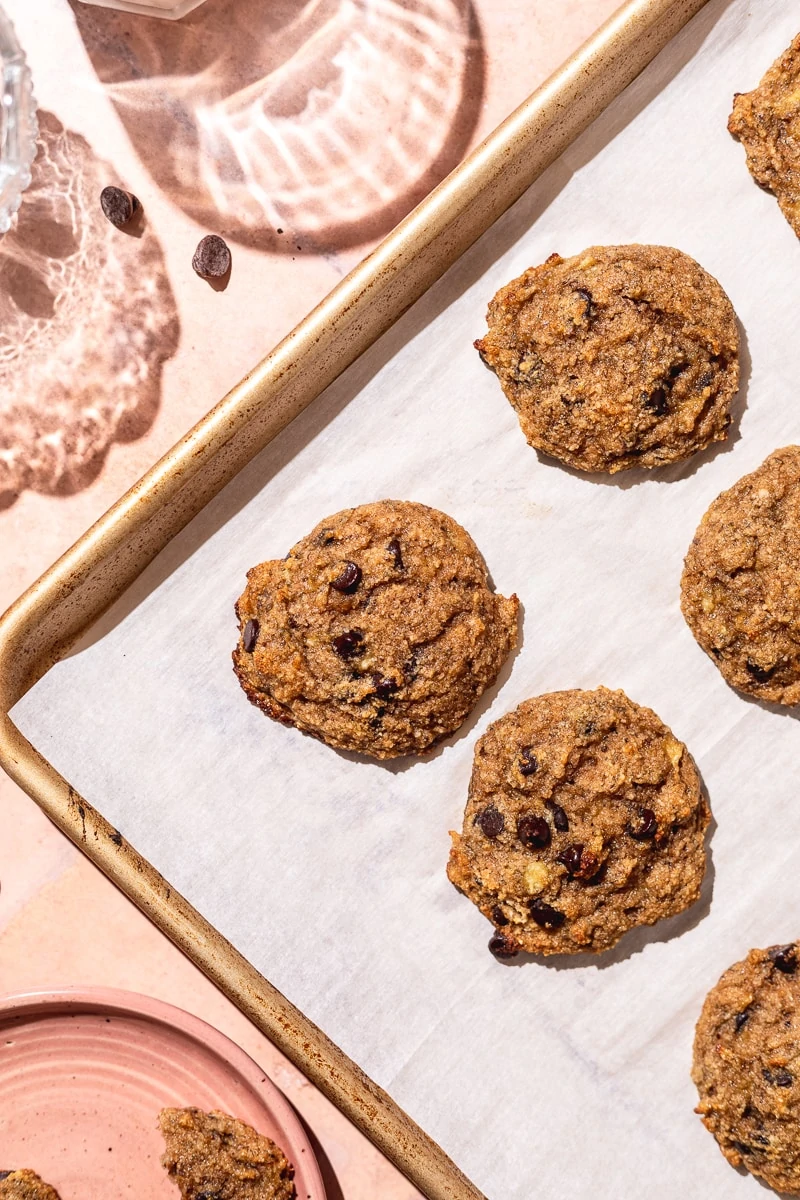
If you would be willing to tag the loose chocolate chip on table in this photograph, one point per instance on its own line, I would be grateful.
(560, 818)
(118, 207)
(528, 763)
(250, 636)
(644, 825)
(741, 1019)
(383, 686)
(498, 916)
(491, 821)
(348, 644)
(760, 674)
(212, 258)
(778, 1077)
(348, 578)
(571, 858)
(502, 946)
(533, 831)
(545, 915)
(785, 959)
(396, 553)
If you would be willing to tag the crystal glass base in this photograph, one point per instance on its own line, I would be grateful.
(171, 9)
(18, 128)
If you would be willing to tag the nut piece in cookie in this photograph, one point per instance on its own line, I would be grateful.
(25, 1185)
(740, 591)
(747, 1065)
(623, 356)
(585, 818)
(767, 123)
(211, 1156)
(377, 633)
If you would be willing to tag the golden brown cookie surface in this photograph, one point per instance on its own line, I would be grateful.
(740, 591)
(585, 818)
(25, 1185)
(377, 633)
(747, 1065)
(622, 356)
(212, 1156)
(767, 123)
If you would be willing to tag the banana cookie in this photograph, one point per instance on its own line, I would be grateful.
(377, 633)
(747, 1066)
(623, 356)
(212, 1156)
(585, 817)
(25, 1185)
(767, 123)
(741, 581)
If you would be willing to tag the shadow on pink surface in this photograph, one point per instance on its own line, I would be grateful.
(321, 120)
(87, 320)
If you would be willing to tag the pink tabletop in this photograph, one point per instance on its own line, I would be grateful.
(69, 447)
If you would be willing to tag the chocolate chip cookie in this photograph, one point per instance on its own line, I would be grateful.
(25, 1185)
(767, 123)
(747, 1066)
(378, 632)
(623, 356)
(741, 581)
(212, 1156)
(585, 817)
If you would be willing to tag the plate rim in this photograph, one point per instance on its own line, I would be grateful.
(137, 1004)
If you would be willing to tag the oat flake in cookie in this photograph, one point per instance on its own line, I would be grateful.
(623, 356)
(741, 581)
(767, 123)
(585, 817)
(212, 1156)
(25, 1185)
(747, 1065)
(377, 633)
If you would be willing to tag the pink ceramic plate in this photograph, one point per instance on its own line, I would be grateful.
(83, 1075)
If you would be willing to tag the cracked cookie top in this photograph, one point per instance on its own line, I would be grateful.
(622, 356)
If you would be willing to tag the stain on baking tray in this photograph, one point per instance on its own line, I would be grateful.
(325, 120)
(87, 320)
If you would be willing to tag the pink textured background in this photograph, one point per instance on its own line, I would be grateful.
(61, 922)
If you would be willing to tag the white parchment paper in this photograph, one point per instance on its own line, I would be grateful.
(565, 1078)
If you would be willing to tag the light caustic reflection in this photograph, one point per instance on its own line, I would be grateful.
(329, 118)
(87, 319)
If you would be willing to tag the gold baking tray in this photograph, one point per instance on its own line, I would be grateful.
(42, 625)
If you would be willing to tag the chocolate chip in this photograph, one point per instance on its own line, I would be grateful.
(533, 831)
(760, 674)
(250, 636)
(212, 258)
(644, 826)
(778, 1078)
(396, 553)
(348, 578)
(588, 300)
(740, 1146)
(528, 764)
(491, 821)
(784, 958)
(208, 1196)
(498, 916)
(5, 1174)
(383, 686)
(656, 401)
(118, 207)
(501, 945)
(677, 369)
(705, 380)
(560, 818)
(741, 1019)
(571, 858)
(588, 729)
(545, 915)
(348, 644)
